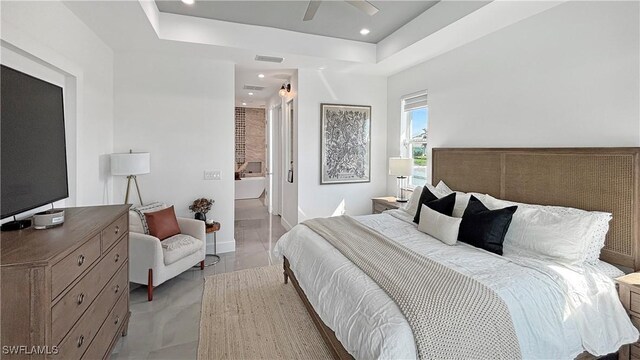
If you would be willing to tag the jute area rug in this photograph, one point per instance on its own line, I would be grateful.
(252, 314)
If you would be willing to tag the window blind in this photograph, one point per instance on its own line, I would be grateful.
(415, 102)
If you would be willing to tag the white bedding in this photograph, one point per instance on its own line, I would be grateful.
(557, 311)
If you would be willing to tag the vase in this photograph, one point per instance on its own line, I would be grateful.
(201, 216)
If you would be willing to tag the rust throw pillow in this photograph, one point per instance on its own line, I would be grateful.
(162, 224)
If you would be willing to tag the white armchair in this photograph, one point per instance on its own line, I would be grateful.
(153, 262)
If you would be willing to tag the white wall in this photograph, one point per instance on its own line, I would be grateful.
(318, 87)
(48, 41)
(180, 108)
(566, 77)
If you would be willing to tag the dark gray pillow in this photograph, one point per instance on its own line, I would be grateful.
(484, 228)
(443, 205)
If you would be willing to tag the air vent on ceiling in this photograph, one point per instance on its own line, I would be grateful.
(269, 59)
(253, 87)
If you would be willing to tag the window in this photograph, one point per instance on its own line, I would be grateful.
(415, 125)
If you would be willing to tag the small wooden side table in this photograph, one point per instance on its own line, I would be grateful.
(629, 292)
(213, 228)
(381, 204)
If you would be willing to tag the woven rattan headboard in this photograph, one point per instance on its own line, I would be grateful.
(603, 179)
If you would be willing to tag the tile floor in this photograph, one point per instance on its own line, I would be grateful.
(168, 327)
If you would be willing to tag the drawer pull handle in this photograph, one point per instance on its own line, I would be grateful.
(116, 288)
(80, 260)
(80, 298)
(117, 320)
(80, 340)
(117, 229)
(116, 258)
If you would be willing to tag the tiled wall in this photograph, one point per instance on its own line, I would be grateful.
(250, 138)
(240, 136)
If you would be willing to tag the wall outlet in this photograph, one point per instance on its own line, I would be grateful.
(212, 175)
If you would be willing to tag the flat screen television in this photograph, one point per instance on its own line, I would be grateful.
(33, 167)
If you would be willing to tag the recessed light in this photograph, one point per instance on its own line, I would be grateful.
(250, 94)
(322, 67)
(261, 76)
(244, 104)
(189, 2)
(364, 32)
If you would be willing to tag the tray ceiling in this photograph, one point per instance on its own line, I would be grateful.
(334, 18)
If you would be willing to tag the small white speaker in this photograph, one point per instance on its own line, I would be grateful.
(48, 219)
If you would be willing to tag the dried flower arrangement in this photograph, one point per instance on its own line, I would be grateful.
(201, 205)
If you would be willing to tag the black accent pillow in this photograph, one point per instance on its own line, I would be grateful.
(484, 228)
(443, 205)
(425, 197)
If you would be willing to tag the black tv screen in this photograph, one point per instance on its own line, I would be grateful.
(33, 158)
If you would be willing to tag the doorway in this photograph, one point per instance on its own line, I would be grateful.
(275, 165)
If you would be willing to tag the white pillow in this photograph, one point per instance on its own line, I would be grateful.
(412, 205)
(442, 227)
(599, 229)
(539, 233)
(435, 191)
(443, 187)
(462, 198)
(137, 220)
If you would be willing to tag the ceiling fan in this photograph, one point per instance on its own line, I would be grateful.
(361, 5)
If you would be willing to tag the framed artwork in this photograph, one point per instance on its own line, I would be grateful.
(345, 144)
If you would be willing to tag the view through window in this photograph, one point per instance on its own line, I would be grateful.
(414, 141)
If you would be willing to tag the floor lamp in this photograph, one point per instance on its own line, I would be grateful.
(401, 168)
(130, 165)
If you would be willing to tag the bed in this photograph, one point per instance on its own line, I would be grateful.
(357, 318)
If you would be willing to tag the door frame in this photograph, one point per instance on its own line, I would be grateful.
(275, 160)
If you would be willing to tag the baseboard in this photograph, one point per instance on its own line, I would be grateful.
(223, 247)
(284, 223)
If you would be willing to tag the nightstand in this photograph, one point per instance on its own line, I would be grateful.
(629, 292)
(381, 204)
(213, 228)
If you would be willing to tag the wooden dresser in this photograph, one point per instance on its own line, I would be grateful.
(65, 290)
(629, 292)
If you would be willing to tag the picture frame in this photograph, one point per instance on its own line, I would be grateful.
(345, 144)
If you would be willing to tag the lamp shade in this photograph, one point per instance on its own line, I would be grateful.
(130, 164)
(400, 166)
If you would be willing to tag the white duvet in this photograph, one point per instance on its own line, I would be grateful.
(558, 312)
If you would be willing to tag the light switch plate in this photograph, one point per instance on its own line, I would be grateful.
(212, 175)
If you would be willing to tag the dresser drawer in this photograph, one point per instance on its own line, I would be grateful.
(119, 253)
(78, 339)
(105, 336)
(72, 305)
(114, 231)
(634, 303)
(73, 265)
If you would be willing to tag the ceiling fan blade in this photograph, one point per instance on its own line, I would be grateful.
(311, 10)
(363, 6)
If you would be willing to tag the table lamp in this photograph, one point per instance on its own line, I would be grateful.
(131, 164)
(401, 168)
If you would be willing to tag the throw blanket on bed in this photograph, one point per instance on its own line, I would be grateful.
(452, 315)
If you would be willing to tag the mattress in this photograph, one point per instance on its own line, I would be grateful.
(558, 312)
